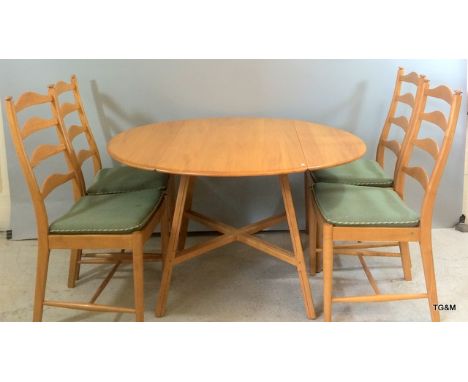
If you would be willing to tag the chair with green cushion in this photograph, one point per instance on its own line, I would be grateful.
(120, 220)
(368, 172)
(379, 215)
(106, 180)
(126, 179)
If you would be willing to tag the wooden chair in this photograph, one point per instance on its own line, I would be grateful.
(367, 172)
(124, 220)
(375, 214)
(107, 180)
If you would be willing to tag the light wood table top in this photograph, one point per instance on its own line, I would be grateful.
(235, 147)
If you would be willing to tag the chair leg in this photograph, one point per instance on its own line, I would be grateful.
(172, 246)
(74, 269)
(327, 230)
(41, 280)
(138, 276)
(429, 274)
(405, 260)
(311, 229)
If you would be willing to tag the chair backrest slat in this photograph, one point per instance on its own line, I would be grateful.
(429, 145)
(83, 155)
(62, 87)
(436, 118)
(35, 124)
(30, 99)
(68, 108)
(74, 131)
(441, 92)
(55, 180)
(43, 152)
(412, 78)
(401, 121)
(407, 98)
(393, 145)
(417, 173)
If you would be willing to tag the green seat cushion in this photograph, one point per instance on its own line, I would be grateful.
(349, 205)
(125, 179)
(109, 214)
(361, 172)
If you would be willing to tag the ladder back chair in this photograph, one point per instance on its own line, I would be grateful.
(367, 172)
(106, 180)
(124, 220)
(376, 214)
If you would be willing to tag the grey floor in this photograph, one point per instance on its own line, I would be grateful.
(237, 283)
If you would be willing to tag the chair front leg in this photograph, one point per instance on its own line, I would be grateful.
(327, 239)
(138, 277)
(41, 280)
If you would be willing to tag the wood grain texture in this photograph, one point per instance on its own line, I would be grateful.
(34, 124)
(437, 118)
(442, 92)
(42, 152)
(325, 146)
(235, 147)
(400, 121)
(407, 98)
(31, 99)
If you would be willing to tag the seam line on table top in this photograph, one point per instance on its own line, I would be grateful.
(302, 149)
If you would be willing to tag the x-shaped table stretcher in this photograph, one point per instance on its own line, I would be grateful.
(176, 254)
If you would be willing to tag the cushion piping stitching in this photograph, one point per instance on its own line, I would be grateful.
(161, 188)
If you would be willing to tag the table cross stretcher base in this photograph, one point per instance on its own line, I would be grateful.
(176, 253)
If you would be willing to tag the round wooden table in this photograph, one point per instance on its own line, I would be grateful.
(231, 147)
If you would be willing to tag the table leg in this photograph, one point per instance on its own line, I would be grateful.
(185, 219)
(311, 226)
(179, 210)
(297, 246)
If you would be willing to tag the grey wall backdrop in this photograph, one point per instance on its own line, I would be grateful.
(118, 94)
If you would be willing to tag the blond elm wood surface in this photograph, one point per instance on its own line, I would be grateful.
(235, 147)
